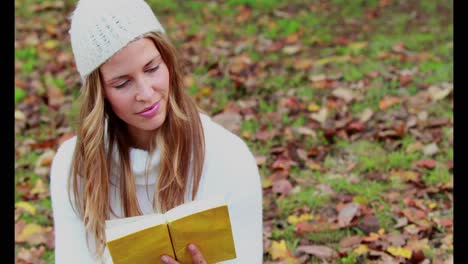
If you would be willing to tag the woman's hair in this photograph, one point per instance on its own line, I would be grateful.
(180, 140)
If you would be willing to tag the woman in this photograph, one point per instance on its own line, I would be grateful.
(141, 144)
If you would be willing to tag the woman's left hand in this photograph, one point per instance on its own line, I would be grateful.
(197, 256)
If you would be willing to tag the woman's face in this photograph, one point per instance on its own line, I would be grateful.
(136, 84)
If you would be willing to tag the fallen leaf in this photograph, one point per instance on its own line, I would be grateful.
(357, 45)
(347, 213)
(301, 130)
(438, 93)
(333, 59)
(293, 219)
(31, 255)
(366, 115)
(33, 234)
(369, 224)
(388, 101)
(320, 116)
(304, 227)
(372, 237)
(401, 222)
(313, 107)
(230, 121)
(278, 250)
(291, 49)
(39, 187)
(426, 163)
(399, 251)
(361, 250)
(396, 240)
(28, 207)
(260, 159)
(430, 149)
(414, 147)
(321, 252)
(350, 241)
(344, 93)
(45, 159)
(282, 187)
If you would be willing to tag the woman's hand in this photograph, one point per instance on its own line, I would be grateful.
(197, 256)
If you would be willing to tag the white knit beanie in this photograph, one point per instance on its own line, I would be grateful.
(100, 28)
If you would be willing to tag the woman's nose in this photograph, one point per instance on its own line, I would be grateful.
(144, 90)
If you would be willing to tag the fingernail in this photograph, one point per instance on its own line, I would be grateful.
(165, 259)
(191, 247)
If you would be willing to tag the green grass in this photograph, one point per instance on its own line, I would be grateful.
(28, 57)
(437, 176)
(306, 197)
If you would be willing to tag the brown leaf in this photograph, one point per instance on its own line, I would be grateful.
(350, 241)
(46, 158)
(426, 163)
(282, 187)
(260, 159)
(388, 101)
(321, 252)
(31, 255)
(396, 240)
(263, 134)
(370, 224)
(413, 214)
(304, 227)
(347, 213)
(405, 79)
(401, 222)
(230, 121)
(243, 15)
(33, 234)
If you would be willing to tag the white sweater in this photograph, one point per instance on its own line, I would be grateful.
(229, 171)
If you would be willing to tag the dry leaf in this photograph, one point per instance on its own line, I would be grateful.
(321, 252)
(230, 121)
(388, 101)
(350, 241)
(320, 116)
(28, 207)
(399, 251)
(438, 93)
(278, 250)
(347, 213)
(426, 163)
(45, 159)
(344, 93)
(33, 234)
(366, 115)
(283, 187)
(39, 188)
(293, 219)
(430, 149)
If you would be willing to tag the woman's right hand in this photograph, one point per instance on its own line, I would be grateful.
(197, 256)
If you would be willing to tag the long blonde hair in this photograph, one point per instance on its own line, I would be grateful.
(180, 140)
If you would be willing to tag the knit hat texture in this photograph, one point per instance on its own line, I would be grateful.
(100, 28)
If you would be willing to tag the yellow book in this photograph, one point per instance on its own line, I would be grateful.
(144, 239)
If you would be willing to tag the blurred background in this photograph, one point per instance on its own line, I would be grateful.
(347, 106)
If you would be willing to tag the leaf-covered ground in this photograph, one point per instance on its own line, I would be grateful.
(347, 105)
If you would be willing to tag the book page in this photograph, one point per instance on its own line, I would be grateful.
(193, 207)
(209, 229)
(122, 227)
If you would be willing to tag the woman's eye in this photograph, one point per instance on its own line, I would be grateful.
(153, 69)
(122, 85)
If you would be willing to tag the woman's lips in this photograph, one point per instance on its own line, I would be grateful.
(150, 111)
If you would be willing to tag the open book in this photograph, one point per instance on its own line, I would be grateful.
(143, 239)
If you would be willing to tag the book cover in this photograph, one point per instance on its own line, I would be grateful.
(143, 239)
